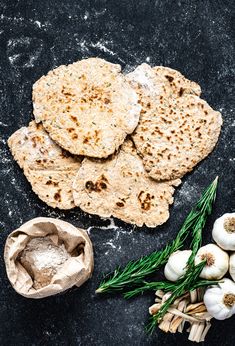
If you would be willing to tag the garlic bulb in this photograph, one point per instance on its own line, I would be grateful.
(223, 231)
(176, 265)
(232, 266)
(220, 299)
(217, 262)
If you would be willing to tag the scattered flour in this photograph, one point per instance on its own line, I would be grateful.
(112, 243)
(24, 51)
(3, 124)
(53, 213)
(13, 58)
(86, 15)
(187, 190)
(39, 24)
(110, 226)
(97, 14)
(102, 47)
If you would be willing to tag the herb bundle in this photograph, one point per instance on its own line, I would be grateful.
(134, 272)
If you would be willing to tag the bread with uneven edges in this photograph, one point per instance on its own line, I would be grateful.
(177, 129)
(49, 169)
(120, 187)
(87, 107)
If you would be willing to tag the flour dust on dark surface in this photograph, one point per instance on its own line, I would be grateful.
(195, 37)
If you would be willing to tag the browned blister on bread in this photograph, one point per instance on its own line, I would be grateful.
(121, 187)
(87, 107)
(49, 169)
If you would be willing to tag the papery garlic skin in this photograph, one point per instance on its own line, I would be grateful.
(220, 299)
(217, 262)
(232, 266)
(175, 267)
(223, 231)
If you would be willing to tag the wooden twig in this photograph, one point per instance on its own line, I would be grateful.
(187, 308)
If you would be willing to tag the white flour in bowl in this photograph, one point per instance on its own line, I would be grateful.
(42, 258)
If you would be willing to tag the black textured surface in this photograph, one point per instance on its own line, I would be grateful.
(196, 37)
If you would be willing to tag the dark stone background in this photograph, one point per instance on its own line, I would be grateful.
(196, 37)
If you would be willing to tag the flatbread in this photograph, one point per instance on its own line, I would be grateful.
(120, 187)
(87, 107)
(49, 169)
(177, 129)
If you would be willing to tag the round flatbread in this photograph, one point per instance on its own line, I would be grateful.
(121, 187)
(87, 107)
(49, 169)
(177, 129)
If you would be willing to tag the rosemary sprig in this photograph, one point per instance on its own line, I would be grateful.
(206, 209)
(135, 271)
(166, 286)
(186, 284)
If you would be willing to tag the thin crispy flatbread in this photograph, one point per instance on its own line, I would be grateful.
(121, 187)
(87, 107)
(49, 169)
(177, 129)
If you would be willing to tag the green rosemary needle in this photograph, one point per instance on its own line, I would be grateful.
(135, 271)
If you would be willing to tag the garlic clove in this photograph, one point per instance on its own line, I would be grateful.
(223, 231)
(217, 262)
(175, 267)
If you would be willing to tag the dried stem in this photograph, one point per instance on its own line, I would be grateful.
(186, 308)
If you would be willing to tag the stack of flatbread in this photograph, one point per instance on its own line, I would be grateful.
(114, 144)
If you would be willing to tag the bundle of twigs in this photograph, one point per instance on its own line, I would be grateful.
(187, 308)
